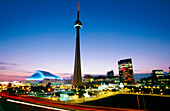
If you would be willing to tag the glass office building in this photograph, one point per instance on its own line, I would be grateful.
(126, 71)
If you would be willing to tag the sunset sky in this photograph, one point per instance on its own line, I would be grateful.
(40, 35)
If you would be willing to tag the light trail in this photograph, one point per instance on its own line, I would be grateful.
(46, 107)
(63, 106)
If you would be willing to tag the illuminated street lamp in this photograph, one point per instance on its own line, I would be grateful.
(161, 91)
(27, 88)
(152, 90)
(133, 90)
(139, 90)
(49, 89)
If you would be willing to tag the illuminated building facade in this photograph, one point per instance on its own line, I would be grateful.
(41, 75)
(77, 80)
(157, 79)
(157, 74)
(41, 78)
(126, 71)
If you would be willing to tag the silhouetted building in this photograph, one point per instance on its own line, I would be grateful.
(126, 71)
(110, 74)
(157, 79)
(157, 74)
(77, 80)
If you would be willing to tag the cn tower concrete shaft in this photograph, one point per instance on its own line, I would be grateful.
(77, 66)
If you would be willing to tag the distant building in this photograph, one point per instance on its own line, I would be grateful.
(157, 79)
(126, 71)
(114, 79)
(110, 74)
(90, 80)
(157, 74)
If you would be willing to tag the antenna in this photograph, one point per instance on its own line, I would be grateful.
(78, 11)
(78, 5)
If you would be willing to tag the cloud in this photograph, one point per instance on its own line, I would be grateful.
(5, 63)
(23, 71)
(14, 76)
(136, 70)
(4, 68)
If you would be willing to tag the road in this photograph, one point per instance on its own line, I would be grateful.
(54, 105)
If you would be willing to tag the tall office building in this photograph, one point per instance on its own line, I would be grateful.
(126, 71)
(77, 80)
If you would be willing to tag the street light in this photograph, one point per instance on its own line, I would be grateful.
(161, 91)
(50, 90)
(152, 90)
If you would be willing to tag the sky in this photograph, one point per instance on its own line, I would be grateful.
(40, 35)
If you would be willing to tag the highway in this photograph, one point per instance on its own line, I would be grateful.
(55, 105)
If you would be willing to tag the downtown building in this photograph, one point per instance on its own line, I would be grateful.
(126, 71)
(157, 78)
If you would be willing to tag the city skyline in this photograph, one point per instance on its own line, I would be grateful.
(40, 35)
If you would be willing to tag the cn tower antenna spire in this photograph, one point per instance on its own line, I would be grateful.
(78, 5)
(78, 11)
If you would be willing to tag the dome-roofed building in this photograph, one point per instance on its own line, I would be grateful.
(42, 78)
(41, 75)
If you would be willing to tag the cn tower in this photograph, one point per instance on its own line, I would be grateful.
(77, 66)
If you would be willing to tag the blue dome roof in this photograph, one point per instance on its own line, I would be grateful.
(41, 75)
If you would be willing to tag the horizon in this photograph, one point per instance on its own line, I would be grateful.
(41, 35)
(68, 76)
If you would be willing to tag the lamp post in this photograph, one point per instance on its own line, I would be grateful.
(161, 91)
(152, 90)
(50, 90)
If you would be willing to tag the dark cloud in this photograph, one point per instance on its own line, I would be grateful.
(5, 63)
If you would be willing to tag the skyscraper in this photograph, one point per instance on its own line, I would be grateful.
(77, 80)
(126, 71)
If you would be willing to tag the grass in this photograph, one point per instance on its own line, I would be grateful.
(130, 101)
